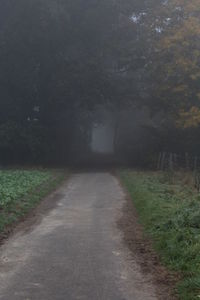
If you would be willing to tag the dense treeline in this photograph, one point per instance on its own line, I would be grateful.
(57, 60)
(60, 59)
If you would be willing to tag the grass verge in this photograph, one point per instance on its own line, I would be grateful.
(170, 214)
(21, 191)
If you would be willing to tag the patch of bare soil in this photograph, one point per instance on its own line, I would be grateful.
(142, 251)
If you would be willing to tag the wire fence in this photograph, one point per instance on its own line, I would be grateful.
(172, 162)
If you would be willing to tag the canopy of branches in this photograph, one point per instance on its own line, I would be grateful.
(61, 59)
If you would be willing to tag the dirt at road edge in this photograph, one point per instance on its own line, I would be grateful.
(142, 251)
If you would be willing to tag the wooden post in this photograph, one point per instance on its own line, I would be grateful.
(195, 163)
(187, 164)
(198, 181)
(163, 161)
(159, 161)
(175, 161)
(171, 167)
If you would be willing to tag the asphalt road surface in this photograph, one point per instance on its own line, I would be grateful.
(76, 250)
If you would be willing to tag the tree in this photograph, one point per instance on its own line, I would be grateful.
(59, 60)
(178, 62)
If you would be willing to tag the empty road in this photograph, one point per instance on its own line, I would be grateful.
(76, 250)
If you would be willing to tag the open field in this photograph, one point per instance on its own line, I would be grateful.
(21, 190)
(170, 214)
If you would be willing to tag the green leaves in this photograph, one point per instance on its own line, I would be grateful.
(21, 190)
(16, 184)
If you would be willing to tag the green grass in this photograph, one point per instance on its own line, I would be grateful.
(170, 213)
(21, 190)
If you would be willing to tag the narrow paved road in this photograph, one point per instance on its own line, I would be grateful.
(76, 251)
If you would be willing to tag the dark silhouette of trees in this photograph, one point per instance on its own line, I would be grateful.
(59, 60)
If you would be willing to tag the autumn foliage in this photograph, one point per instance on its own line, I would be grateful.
(179, 56)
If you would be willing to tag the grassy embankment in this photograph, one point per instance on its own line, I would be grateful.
(21, 190)
(170, 213)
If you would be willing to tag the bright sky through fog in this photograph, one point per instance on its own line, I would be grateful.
(103, 139)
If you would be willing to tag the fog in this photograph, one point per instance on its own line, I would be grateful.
(103, 139)
(84, 78)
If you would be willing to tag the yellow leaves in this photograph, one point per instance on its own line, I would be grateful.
(188, 25)
(189, 118)
(192, 5)
(182, 34)
(179, 49)
(191, 25)
(195, 76)
(180, 88)
(186, 64)
(188, 6)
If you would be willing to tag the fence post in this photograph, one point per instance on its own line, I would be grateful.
(163, 161)
(175, 161)
(171, 166)
(159, 161)
(197, 180)
(195, 163)
(187, 161)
